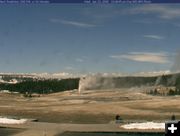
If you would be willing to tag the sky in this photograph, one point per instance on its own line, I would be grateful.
(80, 38)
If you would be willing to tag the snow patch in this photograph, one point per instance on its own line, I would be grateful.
(147, 125)
(4, 120)
(5, 91)
(12, 81)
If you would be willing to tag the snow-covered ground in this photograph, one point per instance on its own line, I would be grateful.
(8, 92)
(12, 81)
(147, 125)
(4, 120)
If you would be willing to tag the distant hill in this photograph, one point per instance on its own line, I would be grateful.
(33, 84)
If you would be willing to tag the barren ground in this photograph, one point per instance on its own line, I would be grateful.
(91, 106)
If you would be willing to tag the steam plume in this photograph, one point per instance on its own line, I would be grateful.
(176, 65)
(95, 82)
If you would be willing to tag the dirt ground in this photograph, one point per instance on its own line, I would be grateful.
(90, 106)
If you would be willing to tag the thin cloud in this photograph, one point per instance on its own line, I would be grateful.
(176, 24)
(69, 68)
(156, 37)
(79, 60)
(144, 21)
(161, 11)
(161, 57)
(72, 23)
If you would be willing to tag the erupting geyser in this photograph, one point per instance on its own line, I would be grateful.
(93, 82)
(81, 82)
(79, 89)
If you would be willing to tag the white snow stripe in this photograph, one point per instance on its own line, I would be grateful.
(12, 121)
(147, 125)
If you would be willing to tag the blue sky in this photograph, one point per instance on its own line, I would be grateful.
(79, 38)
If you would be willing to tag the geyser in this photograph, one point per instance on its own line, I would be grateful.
(97, 81)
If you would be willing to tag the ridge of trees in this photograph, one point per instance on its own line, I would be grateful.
(42, 86)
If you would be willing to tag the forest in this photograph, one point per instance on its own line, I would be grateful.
(42, 86)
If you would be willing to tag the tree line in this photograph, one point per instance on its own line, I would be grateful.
(42, 86)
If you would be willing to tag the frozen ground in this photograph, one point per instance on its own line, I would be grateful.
(146, 125)
(4, 120)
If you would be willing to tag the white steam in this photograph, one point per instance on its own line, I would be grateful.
(176, 65)
(95, 82)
